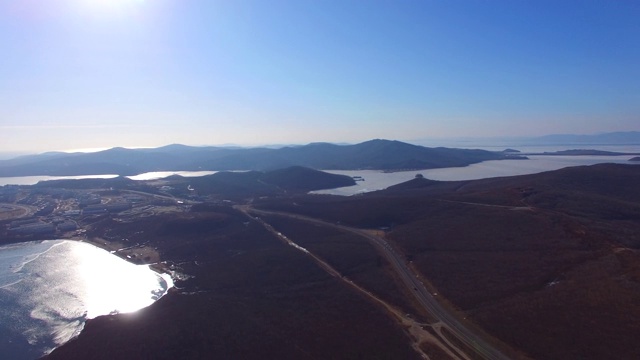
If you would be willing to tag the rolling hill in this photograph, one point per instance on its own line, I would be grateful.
(373, 154)
(548, 263)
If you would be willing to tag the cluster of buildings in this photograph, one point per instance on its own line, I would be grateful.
(106, 208)
(35, 226)
(48, 221)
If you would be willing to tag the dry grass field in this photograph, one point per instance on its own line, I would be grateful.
(548, 263)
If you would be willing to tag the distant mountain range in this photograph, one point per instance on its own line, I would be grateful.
(374, 154)
(613, 138)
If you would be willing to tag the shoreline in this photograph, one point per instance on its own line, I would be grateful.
(138, 255)
(113, 248)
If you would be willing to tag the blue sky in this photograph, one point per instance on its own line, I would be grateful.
(78, 74)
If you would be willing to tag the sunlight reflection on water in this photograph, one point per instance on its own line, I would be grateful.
(48, 290)
(163, 174)
(111, 285)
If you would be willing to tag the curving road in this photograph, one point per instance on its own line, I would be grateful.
(426, 299)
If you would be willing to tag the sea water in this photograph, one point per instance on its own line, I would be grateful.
(155, 175)
(32, 180)
(378, 180)
(48, 289)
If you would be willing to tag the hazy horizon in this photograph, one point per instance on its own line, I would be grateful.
(81, 74)
(452, 142)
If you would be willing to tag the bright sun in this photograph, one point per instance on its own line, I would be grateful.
(112, 4)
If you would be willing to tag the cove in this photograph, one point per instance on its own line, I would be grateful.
(48, 289)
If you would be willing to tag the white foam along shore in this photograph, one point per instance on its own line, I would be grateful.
(57, 284)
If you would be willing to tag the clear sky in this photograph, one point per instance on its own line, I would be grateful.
(80, 74)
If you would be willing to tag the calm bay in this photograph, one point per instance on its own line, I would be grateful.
(48, 289)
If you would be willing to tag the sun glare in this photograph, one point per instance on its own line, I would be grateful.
(113, 2)
(110, 5)
(112, 285)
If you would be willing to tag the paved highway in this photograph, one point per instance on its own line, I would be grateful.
(426, 299)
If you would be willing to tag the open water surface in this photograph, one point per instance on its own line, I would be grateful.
(163, 174)
(378, 180)
(48, 289)
(477, 171)
(32, 180)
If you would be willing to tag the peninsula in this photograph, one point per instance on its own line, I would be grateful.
(480, 269)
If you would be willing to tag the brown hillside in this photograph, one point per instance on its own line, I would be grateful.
(549, 263)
